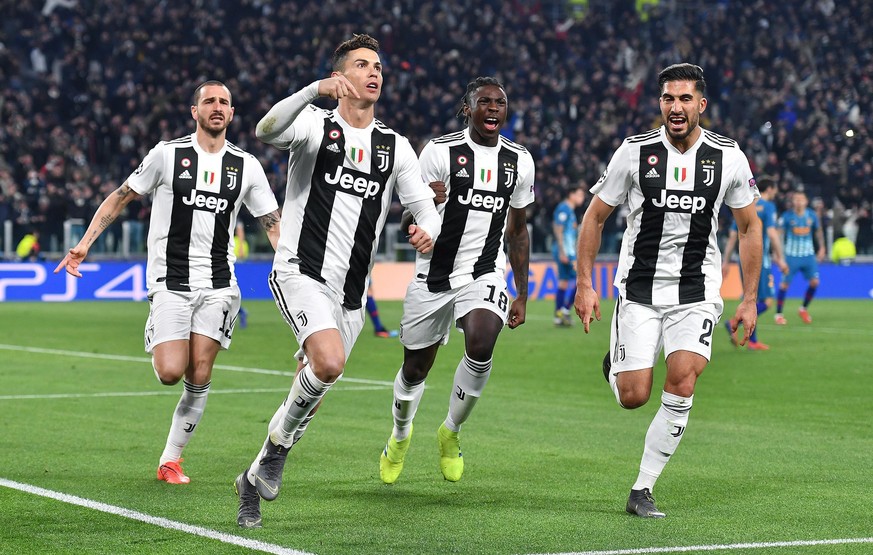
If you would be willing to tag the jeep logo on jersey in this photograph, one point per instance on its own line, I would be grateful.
(484, 201)
(206, 202)
(679, 202)
(354, 182)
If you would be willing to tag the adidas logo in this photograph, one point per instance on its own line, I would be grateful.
(652, 174)
(333, 148)
(462, 173)
(185, 175)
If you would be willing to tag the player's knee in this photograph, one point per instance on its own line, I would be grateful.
(633, 396)
(329, 369)
(168, 372)
(414, 372)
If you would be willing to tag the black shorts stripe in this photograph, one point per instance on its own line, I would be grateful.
(281, 303)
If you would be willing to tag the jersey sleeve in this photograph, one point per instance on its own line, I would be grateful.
(299, 131)
(523, 194)
(259, 198)
(742, 189)
(412, 181)
(616, 181)
(149, 174)
(433, 163)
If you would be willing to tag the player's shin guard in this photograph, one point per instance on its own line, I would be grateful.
(188, 412)
(662, 439)
(407, 397)
(470, 379)
(306, 391)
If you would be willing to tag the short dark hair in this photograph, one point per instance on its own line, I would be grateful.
(467, 99)
(195, 98)
(682, 72)
(357, 41)
(765, 183)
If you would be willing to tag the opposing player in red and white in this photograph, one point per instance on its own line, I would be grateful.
(674, 179)
(199, 183)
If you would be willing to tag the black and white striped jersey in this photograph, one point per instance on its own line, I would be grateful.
(340, 184)
(669, 253)
(482, 182)
(197, 197)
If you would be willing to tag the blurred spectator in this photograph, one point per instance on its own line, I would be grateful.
(88, 84)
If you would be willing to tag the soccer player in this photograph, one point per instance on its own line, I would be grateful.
(199, 183)
(379, 328)
(565, 229)
(772, 252)
(489, 182)
(674, 179)
(798, 226)
(344, 166)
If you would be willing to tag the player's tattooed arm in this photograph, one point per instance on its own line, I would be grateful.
(270, 223)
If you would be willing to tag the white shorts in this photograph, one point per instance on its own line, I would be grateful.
(309, 306)
(640, 331)
(428, 317)
(177, 314)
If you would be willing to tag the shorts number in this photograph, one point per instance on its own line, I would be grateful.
(502, 300)
(707, 332)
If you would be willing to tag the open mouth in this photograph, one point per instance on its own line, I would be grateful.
(491, 124)
(373, 86)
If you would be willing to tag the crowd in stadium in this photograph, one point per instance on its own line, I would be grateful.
(89, 87)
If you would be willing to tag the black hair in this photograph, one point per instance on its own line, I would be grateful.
(682, 72)
(354, 43)
(195, 98)
(765, 183)
(467, 99)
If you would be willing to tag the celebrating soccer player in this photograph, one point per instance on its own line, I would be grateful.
(344, 167)
(199, 183)
(488, 181)
(674, 180)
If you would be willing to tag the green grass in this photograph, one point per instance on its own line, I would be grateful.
(778, 446)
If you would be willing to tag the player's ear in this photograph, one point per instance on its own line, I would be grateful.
(703, 103)
(194, 112)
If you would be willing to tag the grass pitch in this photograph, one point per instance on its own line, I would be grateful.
(777, 450)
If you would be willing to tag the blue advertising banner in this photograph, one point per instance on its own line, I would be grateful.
(126, 281)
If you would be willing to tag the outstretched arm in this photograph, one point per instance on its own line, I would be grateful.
(108, 211)
(518, 241)
(587, 301)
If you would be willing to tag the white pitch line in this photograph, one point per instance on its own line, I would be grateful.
(153, 520)
(172, 392)
(719, 547)
(145, 360)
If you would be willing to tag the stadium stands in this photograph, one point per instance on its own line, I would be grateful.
(89, 87)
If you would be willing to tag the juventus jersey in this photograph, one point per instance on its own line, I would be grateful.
(197, 196)
(482, 182)
(340, 184)
(669, 254)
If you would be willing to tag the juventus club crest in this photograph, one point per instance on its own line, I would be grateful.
(509, 170)
(383, 157)
(708, 168)
(231, 177)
